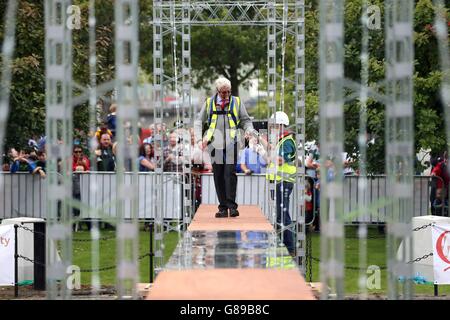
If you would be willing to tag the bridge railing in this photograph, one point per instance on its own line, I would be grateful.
(24, 195)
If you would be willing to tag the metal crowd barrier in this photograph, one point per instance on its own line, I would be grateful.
(23, 195)
(253, 190)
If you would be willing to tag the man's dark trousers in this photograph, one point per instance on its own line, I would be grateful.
(225, 179)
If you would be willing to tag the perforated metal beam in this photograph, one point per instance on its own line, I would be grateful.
(58, 96)
(331, 143)
(300, 125)
(399, 143)
(158, 107)
(127, 61)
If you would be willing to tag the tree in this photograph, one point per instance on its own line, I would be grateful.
(235, 52)
(27, 100)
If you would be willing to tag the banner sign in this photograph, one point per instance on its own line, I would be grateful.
(441, 253)
(7, 255)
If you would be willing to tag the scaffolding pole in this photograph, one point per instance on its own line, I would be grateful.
(299, 106)
(399, 145)
(331, 143)
(58, 101)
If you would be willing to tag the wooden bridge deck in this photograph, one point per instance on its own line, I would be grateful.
(230, 283)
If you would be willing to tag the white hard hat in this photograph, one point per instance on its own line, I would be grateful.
(280, 118)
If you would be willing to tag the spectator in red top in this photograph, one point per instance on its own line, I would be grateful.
(308, 202)
(79, 161)
(441, 171)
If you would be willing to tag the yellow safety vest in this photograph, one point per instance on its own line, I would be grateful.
(287, 171)
(285, 262)
(232, 112)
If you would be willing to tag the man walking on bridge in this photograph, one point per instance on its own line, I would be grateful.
(224, 114)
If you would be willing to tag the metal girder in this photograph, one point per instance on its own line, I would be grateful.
(363, 195)
(158, 106)
(210, 13)
(127, 61)
(58, 101)
(331, 143)
(271, 92)
(300, 125)
(399, 143)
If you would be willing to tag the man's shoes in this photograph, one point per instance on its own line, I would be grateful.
(234, 213)
(222, 214)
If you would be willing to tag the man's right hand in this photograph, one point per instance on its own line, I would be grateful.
(202, 144)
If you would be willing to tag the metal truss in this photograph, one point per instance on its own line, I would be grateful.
(331, 143)
(127, 60)
(58, 58)
(213, 13)
(187, 114)
(363, 195)
(271, 93)
(174, 19)
(399, 143)
(300, 126)
(158, 105)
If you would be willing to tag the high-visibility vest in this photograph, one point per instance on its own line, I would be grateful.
(232, 112)
(287, 171)
(283, 262)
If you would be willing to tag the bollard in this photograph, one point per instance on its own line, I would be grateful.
(16, 265)
(39, 256)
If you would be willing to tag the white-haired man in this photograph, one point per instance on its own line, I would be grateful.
(224, 114)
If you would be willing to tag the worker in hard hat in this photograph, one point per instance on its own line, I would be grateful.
(282, 170)
(224, 114)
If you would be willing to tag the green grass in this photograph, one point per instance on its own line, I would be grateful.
(376, 255)
(82, 255)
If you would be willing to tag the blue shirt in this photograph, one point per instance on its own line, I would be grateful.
(253, 160)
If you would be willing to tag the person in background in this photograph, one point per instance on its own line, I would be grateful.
(316, 198)
(106, 161)
(111, 119)
(80, 163)
(6, 166)
(41, 159)
(25, 160)
(312, 160)
(146, 158)
(253, 158)
(440, 203)
(309, 207)
(173, 154)
(282, 171)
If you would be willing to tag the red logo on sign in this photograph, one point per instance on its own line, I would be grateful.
(440, 248)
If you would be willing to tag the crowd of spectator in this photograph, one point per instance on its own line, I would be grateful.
(171, 144)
